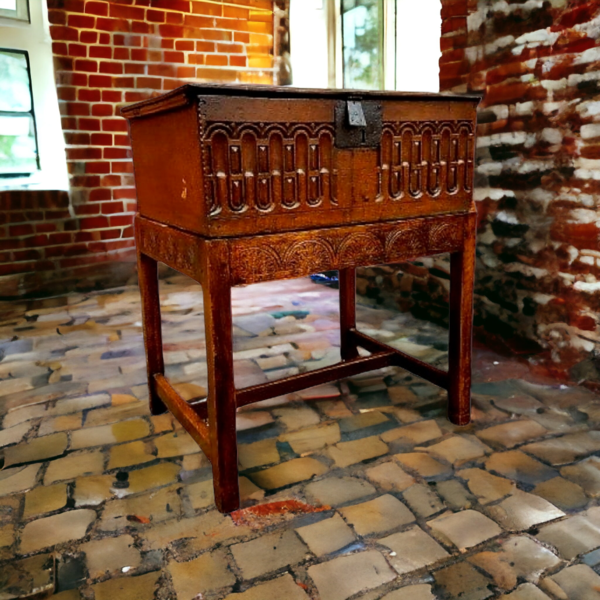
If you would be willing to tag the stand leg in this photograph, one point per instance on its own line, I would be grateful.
(221, 388)
(462, 267)
(347, 278)
(148, 282)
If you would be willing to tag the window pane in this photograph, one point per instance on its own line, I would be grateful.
(15, 93)
(14, 9)
(18, 150)
(362, 33)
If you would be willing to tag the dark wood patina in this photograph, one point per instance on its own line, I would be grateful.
(242, 184)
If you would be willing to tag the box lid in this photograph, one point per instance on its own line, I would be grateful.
(187, 93)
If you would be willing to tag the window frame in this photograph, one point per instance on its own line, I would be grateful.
(8, 175)
(21, 13)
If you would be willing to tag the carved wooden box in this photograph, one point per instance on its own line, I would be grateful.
(227, 161)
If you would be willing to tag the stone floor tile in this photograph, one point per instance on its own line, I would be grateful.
(178, 443)
(508, 435)
(519, 558)
(36, 450)
(526, 591)
(253, 419)
(93, 490)
(487, 487)
(62, 423)
(345, 454)
(571, 537)
(389, 477)
(313, 438)
(141, 587)
(63, 527)
(585, 473)
(126, 455)
(152, 507)
(465, 529)
(258, 454)
(565, 449)
(116, 433)
(336, 491)
(18, 479)
(74, 465)
(71, 405)
(454, 494)
(334, 409)
(377, 516)
(28, 578)
(401, 394)
(521, 511)
(45, 499)
(110, 555)
(114, 414)
(277, 589)
(411, 592)
(268, 553)
(562, 493)
(155, 476)
(520, 467)
(412, 549)
(463, 581)
(205, 531)
(423, 500)
(417, 433)
(13, 435)
(67, 595)
(327, 536)
(422, 464)
(346, 576)
(362, 421)
(288, 473)
(205, 574)
(457, 450)
(7, 535)
(294, 418)
(578, 582)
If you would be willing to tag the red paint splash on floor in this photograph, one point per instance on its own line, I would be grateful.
(259, 516)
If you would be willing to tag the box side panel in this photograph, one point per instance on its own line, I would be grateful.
(167, 167)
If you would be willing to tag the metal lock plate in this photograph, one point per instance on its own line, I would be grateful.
(358, 124)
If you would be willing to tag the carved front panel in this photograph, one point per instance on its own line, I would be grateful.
(265, 167)
(427, 158)
(260, 168)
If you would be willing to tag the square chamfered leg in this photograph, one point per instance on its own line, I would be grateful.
(216, 287)
(148, 283)
(347, 281)
(462, 267)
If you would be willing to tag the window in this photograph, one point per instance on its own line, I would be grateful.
(15, 9)
(32, 146)
(18, 140)
(366, 44)
(362, 44)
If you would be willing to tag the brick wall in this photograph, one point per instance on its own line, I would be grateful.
(108, 53)
(538, 176)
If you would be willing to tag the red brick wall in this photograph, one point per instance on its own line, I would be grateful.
(538, 174)
(108, 53)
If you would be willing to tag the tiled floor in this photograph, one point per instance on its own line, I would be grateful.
(360, 489)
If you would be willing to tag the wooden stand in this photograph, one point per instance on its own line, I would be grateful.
(220, 264)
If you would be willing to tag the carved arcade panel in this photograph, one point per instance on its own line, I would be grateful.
(260, 168)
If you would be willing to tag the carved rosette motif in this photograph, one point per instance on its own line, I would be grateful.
(280, 256)
(258, 168)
